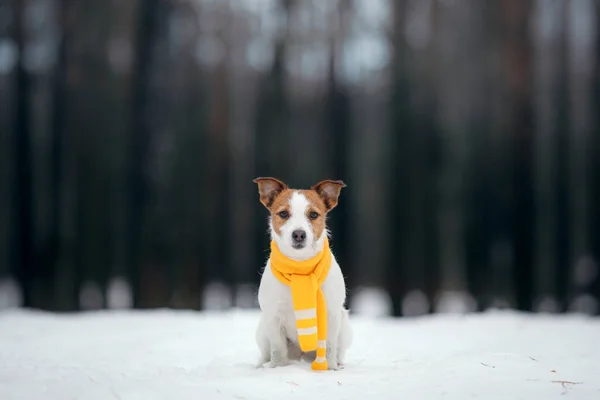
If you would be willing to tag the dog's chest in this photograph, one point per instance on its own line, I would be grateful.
(274, 296)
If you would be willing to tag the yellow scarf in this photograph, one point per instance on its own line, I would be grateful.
(305, 279)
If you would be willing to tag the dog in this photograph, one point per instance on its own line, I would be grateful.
(297, 226)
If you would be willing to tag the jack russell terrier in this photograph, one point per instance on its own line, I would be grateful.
(302, 290)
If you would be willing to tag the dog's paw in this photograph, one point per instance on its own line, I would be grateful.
(263, 359)
(278, 363)
(333, 366)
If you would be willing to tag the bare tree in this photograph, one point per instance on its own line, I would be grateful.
(515, 17)
(397, 277)
(56, 249)
(549, 50)
(23, 226)
(595, 169)
(561, 188)
(140, 131)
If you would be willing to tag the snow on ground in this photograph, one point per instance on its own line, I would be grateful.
(164, 354)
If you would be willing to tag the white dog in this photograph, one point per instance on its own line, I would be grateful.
(298, 229)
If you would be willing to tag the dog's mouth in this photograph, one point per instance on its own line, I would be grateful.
(298, 246)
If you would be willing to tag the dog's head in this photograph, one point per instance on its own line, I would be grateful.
(298, 217)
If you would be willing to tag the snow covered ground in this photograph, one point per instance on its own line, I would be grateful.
(173, 355)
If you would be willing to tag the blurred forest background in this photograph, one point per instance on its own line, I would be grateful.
(467, 131)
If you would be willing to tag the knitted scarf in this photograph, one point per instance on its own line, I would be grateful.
(305, 279)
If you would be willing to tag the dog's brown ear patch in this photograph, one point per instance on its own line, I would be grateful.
(268, 189)
(329, 191)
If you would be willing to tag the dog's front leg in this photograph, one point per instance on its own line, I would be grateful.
(278, 342)
(345, 337)
(333, 333)
(262, 340)
(332, 358)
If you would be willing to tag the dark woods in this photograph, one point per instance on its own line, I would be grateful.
(467, 132)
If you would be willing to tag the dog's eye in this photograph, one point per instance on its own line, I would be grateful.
(313, 215)
(284, 214)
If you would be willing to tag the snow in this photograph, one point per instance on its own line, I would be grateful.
(166, 354)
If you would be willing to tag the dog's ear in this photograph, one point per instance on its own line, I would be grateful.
(268, 189)
(329, 191)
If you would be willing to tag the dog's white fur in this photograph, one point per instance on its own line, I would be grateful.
(276, 336)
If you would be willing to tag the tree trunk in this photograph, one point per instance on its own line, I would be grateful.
(562, 242)
(516, 15)
(139, 141)
(58, 126)
(548, 57)
(23, 247)
(400, 124)
(595, 170)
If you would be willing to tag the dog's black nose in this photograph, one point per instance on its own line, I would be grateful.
(299, 236)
